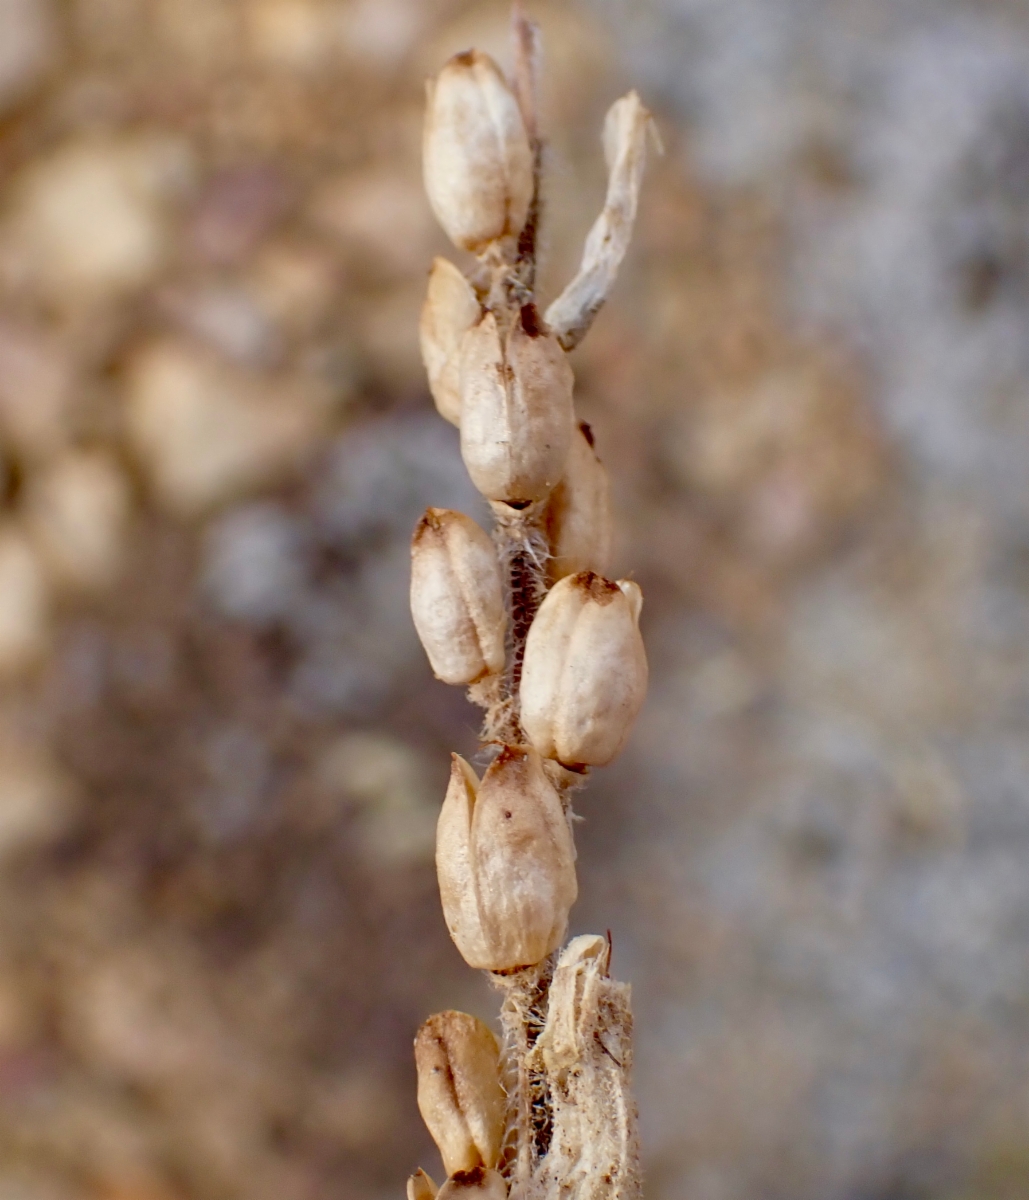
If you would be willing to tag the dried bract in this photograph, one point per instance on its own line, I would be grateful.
(421, 1186)
(584, 675)
(477, 1184)
(625, 144)
(505, 861)
(517, 418)
(578, 514)
(456, 598)
(459, 1092)
(477, 160)
(450, 310)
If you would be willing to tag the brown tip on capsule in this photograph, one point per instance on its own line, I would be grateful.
(476, 1184)
(584, 674)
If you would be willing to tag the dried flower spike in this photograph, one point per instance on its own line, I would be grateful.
(456, 599)
(477, 159)
(578, 515)
(585, 671)
(459, 1092)
(451, 308)
(505, 861)
(517, 418)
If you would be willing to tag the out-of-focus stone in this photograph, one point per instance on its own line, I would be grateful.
(36, 380)
(294, 284)
(381, 217)
(29, 47)
(384, 778)
(207, 431)
(35, 798)
(237, 208)
(297, 35)
(91, 219)
(23, 602)
(77, 511)
(229, 319)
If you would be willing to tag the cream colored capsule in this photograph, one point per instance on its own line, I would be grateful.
(456, 599)
(450, 310)
(421, 1186)
(505, 860)
(578, 514)
(517, 418)
(584, 675)
(477, 1184)
(477, 161)
(459, 1092)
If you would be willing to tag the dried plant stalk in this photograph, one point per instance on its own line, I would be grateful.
(573, 670)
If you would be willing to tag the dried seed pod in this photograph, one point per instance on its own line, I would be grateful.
(517, 418)
(456, 598)
(477, 1184)
(451, 308)
(584, 675)
(459, 1092)
(578, 513)
(477, 161)
(505, 861)
(420, 1186)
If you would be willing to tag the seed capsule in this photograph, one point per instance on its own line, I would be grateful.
(450, 309)
(477, 1184)
(517, 418)
(456, 599)
(578, 514)
(459, 1092)
(505, 861)
(421, 1186)
(584, 675)
(477, 161)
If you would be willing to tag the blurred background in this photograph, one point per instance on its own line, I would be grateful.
(221, 749)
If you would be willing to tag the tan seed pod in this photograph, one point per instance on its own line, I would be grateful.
(584, 674)
(420, 1186)
(517, 418)
(578, 513)
(459, 1092)
(477, 161)
(505, 860)
(477, 1184)
(456, 598)
(450, 310)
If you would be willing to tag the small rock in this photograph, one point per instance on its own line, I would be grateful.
(35, 799)
(28, 47)
(36, 385)
(23, 602)
(385, 779)
(298, 35)
(207, 431)
(77, 511)
(90, 220)
(254, 562)
(382, 219)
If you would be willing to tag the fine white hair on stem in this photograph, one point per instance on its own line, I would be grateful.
(625, 143)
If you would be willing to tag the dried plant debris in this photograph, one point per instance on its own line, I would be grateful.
(550, 647)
